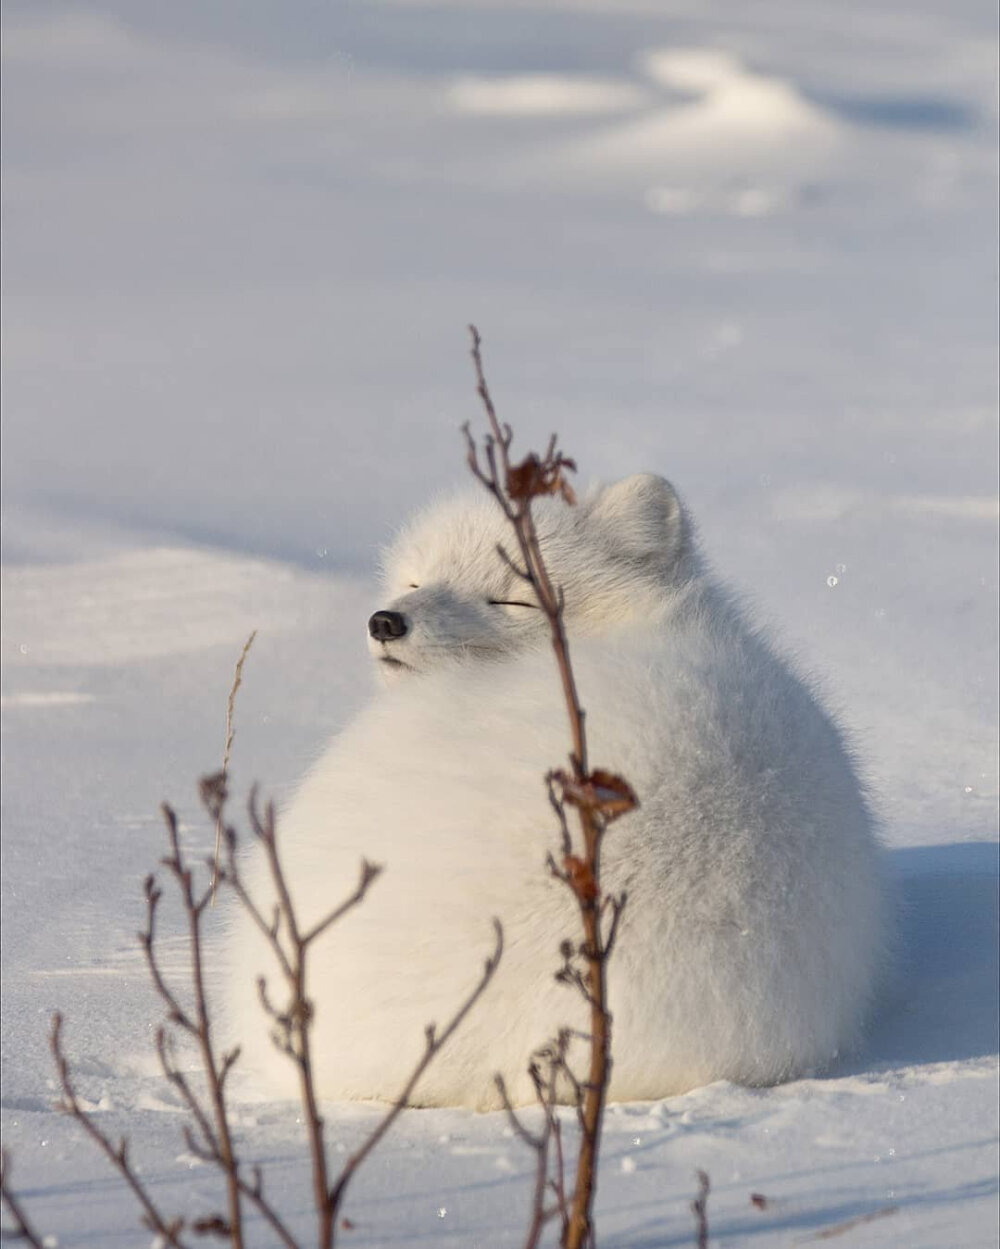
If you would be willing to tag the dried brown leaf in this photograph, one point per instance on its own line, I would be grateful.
(603, 792)
(534, 477)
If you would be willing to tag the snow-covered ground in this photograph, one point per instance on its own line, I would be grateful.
(750, 247)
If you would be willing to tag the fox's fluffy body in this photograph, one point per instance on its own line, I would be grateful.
(755, 928)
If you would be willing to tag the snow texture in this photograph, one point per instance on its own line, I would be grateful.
(751, 248)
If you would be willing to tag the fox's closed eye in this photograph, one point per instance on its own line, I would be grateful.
(509, 602)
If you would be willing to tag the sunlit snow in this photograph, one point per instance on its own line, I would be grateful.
(749, 247)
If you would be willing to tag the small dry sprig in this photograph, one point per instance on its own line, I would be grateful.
(230, 735)
(597, 796)
(208, 1134)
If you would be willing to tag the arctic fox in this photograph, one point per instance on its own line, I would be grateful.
(754, 932)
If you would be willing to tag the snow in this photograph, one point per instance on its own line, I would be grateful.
(751, 248)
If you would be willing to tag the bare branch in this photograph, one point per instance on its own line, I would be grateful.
(548, 1065)
(296, 1021)
(270, 931)
(168, 1229)
(219, 1138)
(180, 1082)
(514, 487)
(293, 1022)
(435, 1043)
(369, 873)
(253, 1191)
(484, 393)
(175, 1012)
(23, 1228)
(598, 796)
(229, 1060)
(558, 1179)
(529, 1138)
(539, 1214)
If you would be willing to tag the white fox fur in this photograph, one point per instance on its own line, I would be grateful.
(755, 927)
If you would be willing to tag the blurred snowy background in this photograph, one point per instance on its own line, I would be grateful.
(750, 247)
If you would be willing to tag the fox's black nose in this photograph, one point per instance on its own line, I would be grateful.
(386, 625)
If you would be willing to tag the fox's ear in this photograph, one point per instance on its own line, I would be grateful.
(644, 518)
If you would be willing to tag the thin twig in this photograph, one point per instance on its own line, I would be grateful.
(558, 1178)
(539, 1145)
(254, 1193)
(219, 1141)
(517, 1124)
(230, 734)
(539, 1215)
(369, 871)
(209, 1150)
(699, 1208)
(435, 1042)
(838, 1229)
(298, 1017)
(551, 1057)
(23, 1228)
(168, 1229)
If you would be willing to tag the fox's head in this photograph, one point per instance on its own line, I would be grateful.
(450, 594)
